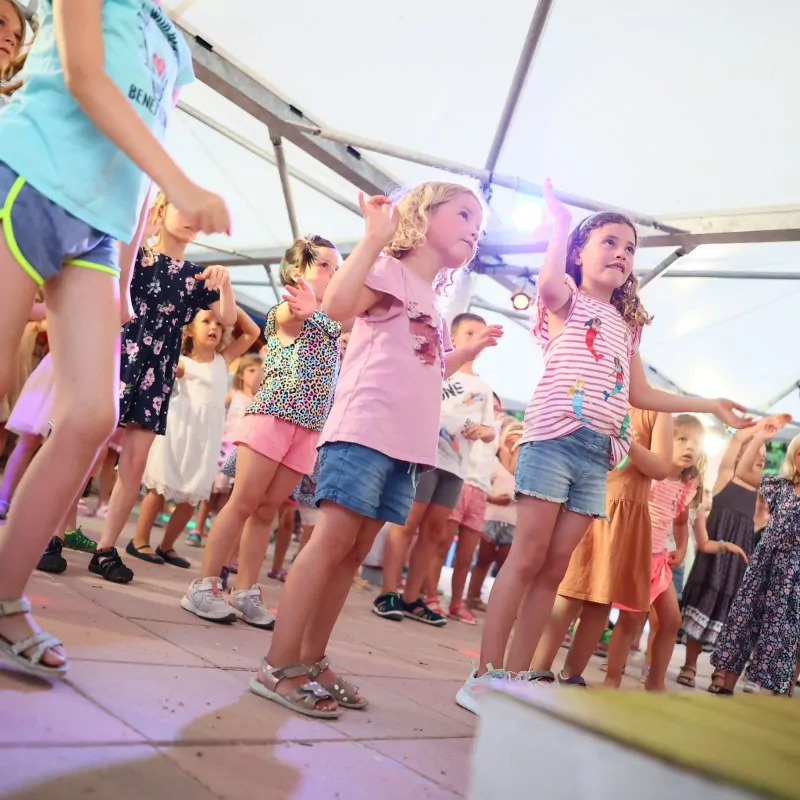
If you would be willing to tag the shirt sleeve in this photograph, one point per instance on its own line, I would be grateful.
(541, 323)
(185, 68)
(771, 486)
(488, 410)
(327, 325)
(203, 298)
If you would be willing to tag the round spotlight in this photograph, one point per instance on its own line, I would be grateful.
(528, 216)
(521, 301)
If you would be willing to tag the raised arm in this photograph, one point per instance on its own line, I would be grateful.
(347, 296)
(551, 287)
(79, 34)
(244, 341)
(727, 464)
(746, 468)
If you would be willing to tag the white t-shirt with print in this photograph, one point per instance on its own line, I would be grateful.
(481, 461)
(466, 400)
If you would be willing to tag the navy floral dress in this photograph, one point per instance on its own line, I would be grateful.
(165, 296)
(765, 616)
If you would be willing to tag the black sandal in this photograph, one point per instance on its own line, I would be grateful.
(136, 552)
(171, 557)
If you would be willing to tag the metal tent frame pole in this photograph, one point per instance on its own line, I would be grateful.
(660, 269)
(280, 161)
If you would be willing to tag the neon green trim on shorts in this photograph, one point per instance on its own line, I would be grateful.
(8, 229)
(78, 262)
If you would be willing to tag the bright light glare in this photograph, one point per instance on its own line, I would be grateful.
(715, 444)
(528, 216)
(521, 301)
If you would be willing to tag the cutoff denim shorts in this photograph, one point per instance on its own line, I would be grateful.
(366, 481)
(571, 470)
(43, 237)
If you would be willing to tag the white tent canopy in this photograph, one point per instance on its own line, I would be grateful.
(665, 109)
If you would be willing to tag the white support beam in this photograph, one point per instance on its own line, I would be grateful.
(286, 186)
(736, 220)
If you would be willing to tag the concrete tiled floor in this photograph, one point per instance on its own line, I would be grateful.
(157, 704)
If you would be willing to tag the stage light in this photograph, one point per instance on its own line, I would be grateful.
(528, 216)
(521, 301)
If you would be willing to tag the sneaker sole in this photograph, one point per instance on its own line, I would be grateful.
(395, 616)
(466, 701)
(432, 622)
(187, 605)
(57, 571)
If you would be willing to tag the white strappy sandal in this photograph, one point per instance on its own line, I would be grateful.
(40, 643)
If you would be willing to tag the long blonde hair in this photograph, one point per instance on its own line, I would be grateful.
(247, 360)
(14, 67)
(788, 468)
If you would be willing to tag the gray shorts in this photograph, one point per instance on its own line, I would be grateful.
(439, 488)
(43, 237)
(501, 534)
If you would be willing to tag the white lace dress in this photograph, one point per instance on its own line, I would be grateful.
(182, 463)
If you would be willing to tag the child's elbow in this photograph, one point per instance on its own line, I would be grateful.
(336, 310)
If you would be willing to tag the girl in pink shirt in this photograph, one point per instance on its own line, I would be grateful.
(589, 322)
(383, 428)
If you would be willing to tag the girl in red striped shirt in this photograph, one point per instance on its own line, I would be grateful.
(589, 322)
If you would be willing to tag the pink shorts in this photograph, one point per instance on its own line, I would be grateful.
(279, 440)
(470, 509)
(660, 579)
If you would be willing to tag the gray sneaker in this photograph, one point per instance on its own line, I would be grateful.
(204, 599)
(249, 607)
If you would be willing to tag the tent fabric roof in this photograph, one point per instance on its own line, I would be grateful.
(667, 109)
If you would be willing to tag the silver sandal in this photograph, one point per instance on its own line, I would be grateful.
(40, 642)
(342, 691)
(303, 699)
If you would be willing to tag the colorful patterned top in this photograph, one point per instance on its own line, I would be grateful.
(668, 500)
(299, 377)
(586, 374)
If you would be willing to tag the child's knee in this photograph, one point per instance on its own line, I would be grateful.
(528, 563)
(553, 569)
(87, 430)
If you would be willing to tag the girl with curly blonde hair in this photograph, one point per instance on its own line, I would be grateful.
(589, 322)
(383, 428)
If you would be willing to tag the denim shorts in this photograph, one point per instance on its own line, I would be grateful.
(43, 237)
(677, 579)
(571, 470)
(366, 481)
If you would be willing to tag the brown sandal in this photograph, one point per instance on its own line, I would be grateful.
(717, 684)
(686, 676)
(303, 699)
(343, 692)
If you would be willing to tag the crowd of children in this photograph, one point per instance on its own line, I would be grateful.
(574, 505)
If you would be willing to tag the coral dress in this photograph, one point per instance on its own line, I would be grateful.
(612, 563)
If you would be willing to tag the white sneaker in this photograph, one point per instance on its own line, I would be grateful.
(473, 690)
(204, 599)
(249, 607)
(751, 687)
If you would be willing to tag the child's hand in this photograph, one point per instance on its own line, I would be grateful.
(473, 432)
(777, 420)
(724, 411)
(487, 338)
(380, 216)
(556, 208)
(675, 558)
(301, 299)
(729, 547)
(215, 277)
(766, 432)
(207, 212)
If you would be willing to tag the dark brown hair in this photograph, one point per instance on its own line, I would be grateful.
(301, 255)
(625, 299)
(467, 316)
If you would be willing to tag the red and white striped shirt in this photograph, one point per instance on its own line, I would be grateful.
(586, 374)
(668, 500)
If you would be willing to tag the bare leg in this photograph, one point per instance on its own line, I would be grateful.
(108, 475)
(398, 543)
(18, 462)
(669, 623)
(468, 539)
(151, 506)
(619, 647)
(132, 464)
(486, 556)
(565, 612)
(594, 621)
(335, 536)
(430, 588)
(431, 531)
(305, 535)
(540, 595)
(83, 318)
(255, 537)
(283, 537)
(177, 525)
(203, 513)
(693, 650)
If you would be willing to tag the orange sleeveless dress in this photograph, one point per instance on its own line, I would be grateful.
(612, 563)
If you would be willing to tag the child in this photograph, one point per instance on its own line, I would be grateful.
(589, 322)
(79, 142)
(612, 563)
(713, 582)
(246, 380)
(13, 29)
(181, 465)
(466, 417)
(764, 618)
(501, 516)
(167, 292)
(383, 426)
(277, 438)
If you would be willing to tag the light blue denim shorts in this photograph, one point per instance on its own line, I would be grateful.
(571, 470)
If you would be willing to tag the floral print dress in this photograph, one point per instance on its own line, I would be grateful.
(166, 296)
(765, 616)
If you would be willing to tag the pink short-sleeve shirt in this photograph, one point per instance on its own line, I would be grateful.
(586, 376)
(389, 392)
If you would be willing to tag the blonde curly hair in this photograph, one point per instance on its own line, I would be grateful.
(187, 342)
(625, 299)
